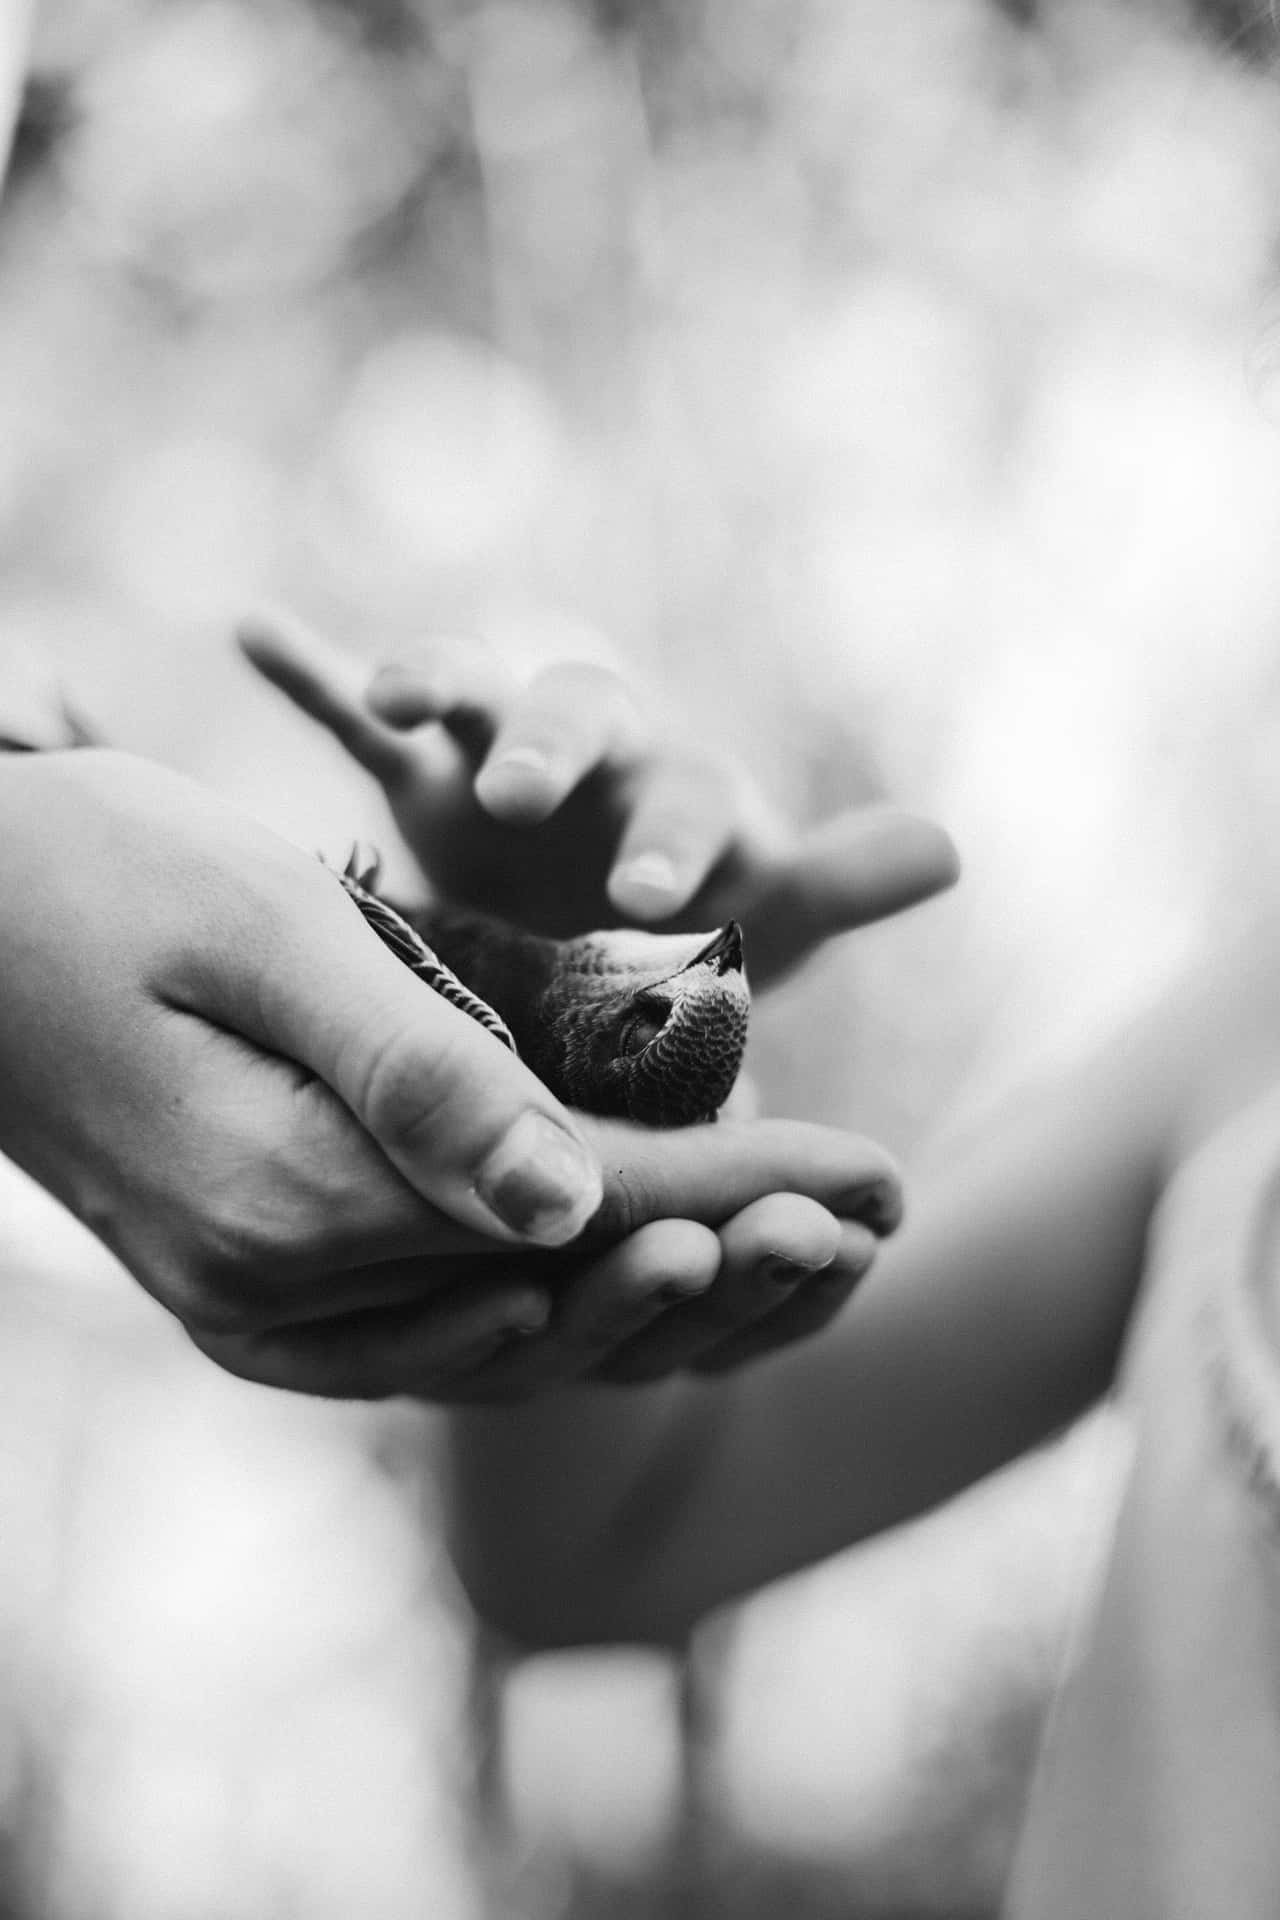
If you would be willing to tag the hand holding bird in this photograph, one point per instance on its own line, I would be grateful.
(331, 1177)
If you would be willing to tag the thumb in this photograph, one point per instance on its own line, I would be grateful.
(860, 867)
(466, 1123)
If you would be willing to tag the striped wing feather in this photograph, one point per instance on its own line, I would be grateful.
(408, 945)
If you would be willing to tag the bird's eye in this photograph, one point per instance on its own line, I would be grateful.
(645, 1024)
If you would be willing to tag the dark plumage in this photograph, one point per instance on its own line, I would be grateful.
(647, 1027)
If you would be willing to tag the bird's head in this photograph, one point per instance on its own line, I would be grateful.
(649, 1027)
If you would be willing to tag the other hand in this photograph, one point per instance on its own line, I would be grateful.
(563, 805)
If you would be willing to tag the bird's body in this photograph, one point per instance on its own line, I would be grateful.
(646, 1027)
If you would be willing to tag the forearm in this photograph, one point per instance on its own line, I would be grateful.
(995, 1317)
(993, 1320)
(541, 1499)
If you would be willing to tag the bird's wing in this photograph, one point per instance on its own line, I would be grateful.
(408, 945)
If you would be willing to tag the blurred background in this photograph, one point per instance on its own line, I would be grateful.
(896, 383)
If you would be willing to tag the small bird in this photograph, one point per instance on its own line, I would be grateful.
(640, 1026)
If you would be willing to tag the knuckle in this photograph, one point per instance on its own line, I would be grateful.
(413, 657)
(630, 1202)
(569, 681)
(583, 700)
(679, 831)
(452, 669)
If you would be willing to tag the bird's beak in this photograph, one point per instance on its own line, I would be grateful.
(723, 951)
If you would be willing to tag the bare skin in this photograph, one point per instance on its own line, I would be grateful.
(996, 1316)
(566, 804)
(337, 1182)
(198, 1056)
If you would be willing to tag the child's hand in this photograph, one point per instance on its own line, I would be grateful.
(559, 806)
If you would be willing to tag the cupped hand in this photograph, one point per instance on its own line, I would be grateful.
(563, 806)
(712, 1245)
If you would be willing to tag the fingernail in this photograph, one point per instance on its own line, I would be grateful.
(674, 1292)
(647, 873)
(514, 772)
(517, 1331)
(541, 1182)
(785, 1272)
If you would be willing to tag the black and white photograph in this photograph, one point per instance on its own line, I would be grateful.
(639, 960)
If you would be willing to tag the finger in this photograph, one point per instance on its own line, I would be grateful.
(325, 683)
(665, 1264)
(419, 1349)
(807, 1311)
(711, 1173)
(458, 683)
(645, 1279)
(467, 1124)
(858, 868)
(768, 1252)
(569, 721)
(682, 821)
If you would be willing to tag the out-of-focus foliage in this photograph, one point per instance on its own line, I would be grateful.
(894, 383)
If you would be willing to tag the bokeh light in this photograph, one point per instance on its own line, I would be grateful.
(892, 383)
